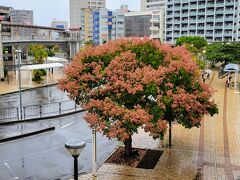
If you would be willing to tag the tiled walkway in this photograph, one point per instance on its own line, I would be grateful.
(210, 152)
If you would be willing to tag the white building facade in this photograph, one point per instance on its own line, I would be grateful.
(153, 5)
(145, 23)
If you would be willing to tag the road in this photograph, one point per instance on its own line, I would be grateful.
(33, 97)
(44, 157)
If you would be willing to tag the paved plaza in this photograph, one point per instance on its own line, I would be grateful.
(13, 84)
(210, 152)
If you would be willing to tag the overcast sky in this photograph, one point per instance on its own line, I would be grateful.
(46, 10)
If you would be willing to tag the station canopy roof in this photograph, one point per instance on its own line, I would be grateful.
(56, 59)
(41, 66)
(231, 68)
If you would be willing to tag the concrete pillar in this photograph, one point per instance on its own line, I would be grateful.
(1, 54)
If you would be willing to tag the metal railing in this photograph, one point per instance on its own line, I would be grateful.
(38, 111)
(36, 38)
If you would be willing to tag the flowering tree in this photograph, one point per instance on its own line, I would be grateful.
(131, 83)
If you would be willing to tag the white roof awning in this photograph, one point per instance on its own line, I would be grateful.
(41, 66)
(56, 59)
(231, 68)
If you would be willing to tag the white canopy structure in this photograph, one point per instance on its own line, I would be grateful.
(56, 60)
(30, 68)
(232, 68)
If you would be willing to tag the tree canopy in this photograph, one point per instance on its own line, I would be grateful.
(39, 53)
(223, 52)
(197, 41)
(131, 83)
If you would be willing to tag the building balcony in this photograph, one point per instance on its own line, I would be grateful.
(184, 28)
(155, 20)
(192, 13)
(228, 27)
(201, 6)
(209, 27)
(192, 20)
(209, 12)
(153, 28)
(221, 4)
(192, 27)
(218, 34)
(229, 11)
(229, 3)
(209, 19)
(201, 20)
(228, 19)
(201, 13)
(192, 6)
(169, 29)
(228, 34)
(155, 36)
(219, 20)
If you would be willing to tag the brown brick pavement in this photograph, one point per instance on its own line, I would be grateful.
(214, 148)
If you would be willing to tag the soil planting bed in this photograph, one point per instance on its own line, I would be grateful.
(141, 158)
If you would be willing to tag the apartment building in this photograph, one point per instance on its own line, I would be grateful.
(81, 16)
(147, 5)
(214, 20)
(6, 54)
(108, 25)
(22, 17)
(76, 6)
(145, 23)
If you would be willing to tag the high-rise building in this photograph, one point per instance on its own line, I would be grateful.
(76, 6)
(145, 23)
(102, 26)
(22, 17)
(152, 5)
(108, 25)
(81, 16)
(5, 33)
(214, 20)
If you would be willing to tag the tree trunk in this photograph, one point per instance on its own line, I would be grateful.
(128, 146)
(170, 134)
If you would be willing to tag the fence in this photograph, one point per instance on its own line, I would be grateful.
(38, 111)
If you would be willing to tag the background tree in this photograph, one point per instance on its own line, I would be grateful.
(197, 41)
(224, 52)
(39, 54)
(195, 45)
(131, 83)
(89, 43)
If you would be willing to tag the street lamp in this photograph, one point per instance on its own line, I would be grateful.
(205, 60)
(19, 54)
(75, 147)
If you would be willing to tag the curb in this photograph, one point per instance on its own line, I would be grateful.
(40, 119)
(27, 134)
(28, 89)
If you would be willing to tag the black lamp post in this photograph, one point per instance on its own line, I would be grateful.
(75, 147)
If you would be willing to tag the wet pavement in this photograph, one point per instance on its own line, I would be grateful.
(43, 156)
(34, 97)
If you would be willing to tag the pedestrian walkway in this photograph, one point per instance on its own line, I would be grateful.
(12, 85)
(210, 152)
